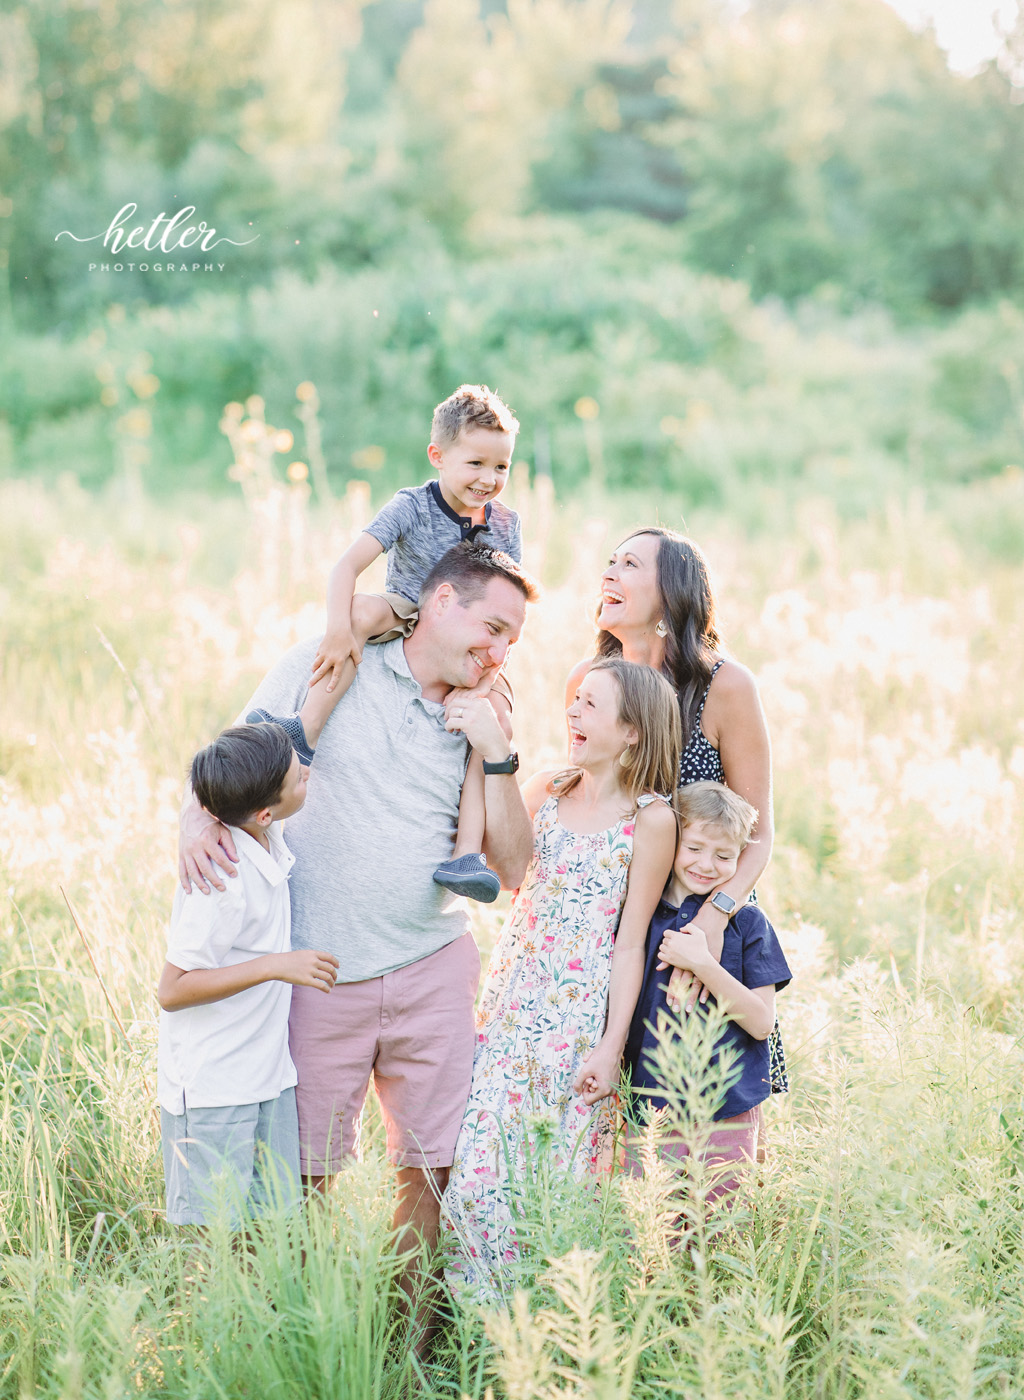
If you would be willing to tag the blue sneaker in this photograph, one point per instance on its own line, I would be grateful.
(292, 726)
(471, 877)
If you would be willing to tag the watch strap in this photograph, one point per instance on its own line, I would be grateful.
(506, 765)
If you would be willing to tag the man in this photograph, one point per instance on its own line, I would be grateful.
(381, 812)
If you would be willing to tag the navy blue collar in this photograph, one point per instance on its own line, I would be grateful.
(696, 900)
(465, 524)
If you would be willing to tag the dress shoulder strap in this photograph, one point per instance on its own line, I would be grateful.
(646, 798)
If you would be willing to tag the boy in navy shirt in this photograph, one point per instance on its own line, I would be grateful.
(715, 826)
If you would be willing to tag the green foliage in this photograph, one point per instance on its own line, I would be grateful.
(797, 146)
(434, 188)
(699, 390)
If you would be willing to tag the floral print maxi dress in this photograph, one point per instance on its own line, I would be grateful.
(543, 1010)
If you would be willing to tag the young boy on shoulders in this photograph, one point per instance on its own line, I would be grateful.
(225, 1079)
(472, 438)
(715, 825)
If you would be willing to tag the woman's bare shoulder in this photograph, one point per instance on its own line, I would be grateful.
(733, 678)
(579, 671)
(536, 788)
(733, 682)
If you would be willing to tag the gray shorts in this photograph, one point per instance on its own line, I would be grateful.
(233, 1163)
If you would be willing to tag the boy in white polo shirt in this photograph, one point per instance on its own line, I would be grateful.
(225, 1080)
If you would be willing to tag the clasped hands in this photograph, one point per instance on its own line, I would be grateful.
(471, 713)
(598, 1074)
(686, 951)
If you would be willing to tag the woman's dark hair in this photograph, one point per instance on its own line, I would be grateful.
(242, 771)
(689, 612)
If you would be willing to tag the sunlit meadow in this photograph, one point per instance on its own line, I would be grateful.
(880, 1251)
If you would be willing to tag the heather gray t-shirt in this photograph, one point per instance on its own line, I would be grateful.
(418, 525)
(380, 815)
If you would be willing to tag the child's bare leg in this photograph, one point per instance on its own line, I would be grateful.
(467, 873)
(469, 839)
(371, 615)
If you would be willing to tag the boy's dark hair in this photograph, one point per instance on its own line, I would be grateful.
(469, 568)
(242, 771)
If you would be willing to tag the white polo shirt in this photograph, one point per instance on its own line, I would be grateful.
(233, 1051)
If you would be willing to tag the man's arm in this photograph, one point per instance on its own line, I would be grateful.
(508, 834)
(205, 847)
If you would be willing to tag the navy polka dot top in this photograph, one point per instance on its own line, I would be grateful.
(700, 762)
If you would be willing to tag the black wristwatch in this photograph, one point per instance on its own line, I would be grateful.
(507, 765)
(724, 903)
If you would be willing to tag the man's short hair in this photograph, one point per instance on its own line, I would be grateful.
(242, 771)
(471, 406)
(469, 568)
(718, 806)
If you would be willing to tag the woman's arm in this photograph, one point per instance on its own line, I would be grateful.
(654, 849)
(734, 722)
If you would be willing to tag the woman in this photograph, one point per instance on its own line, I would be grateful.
(657, 609)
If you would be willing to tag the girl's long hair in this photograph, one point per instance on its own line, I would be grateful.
(647, 703)
(689, 611)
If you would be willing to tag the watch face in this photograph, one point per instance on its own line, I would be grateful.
(723, 902)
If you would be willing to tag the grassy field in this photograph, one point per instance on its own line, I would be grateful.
(880, 1253)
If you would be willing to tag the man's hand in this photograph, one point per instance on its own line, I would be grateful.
(204, 844)
(306, 968)
(471, 713)
(331, 655)
(598, 1074)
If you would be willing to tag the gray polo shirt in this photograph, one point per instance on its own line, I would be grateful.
(380, 815)
(418, 526)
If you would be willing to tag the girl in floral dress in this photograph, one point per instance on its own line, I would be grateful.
(564, 977)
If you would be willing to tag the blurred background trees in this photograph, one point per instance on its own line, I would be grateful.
(760, 237)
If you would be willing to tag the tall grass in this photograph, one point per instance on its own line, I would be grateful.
(879, 1252)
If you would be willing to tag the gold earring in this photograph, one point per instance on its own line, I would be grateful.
(626, 756)
(662, 628)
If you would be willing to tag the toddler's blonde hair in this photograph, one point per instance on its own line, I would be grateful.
(471, 406)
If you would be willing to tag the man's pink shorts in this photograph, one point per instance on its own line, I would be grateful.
(413, 1030)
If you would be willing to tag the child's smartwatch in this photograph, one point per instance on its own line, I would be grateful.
(507, 765)
(724, 903)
